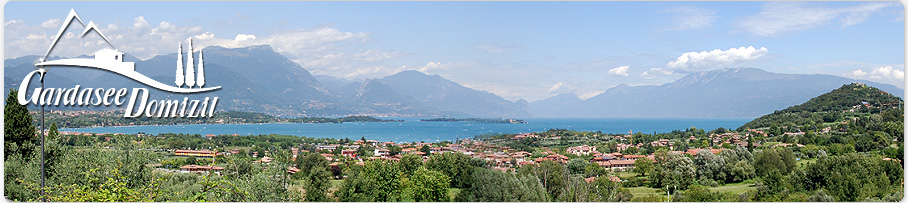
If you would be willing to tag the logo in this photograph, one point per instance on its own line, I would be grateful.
(109, 59)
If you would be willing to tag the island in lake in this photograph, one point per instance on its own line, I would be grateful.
(480, 120)
(81, 119)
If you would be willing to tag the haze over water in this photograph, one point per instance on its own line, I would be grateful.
(414, 130)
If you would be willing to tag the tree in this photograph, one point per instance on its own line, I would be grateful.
(709, 166)
(820, 196)
(854, 177)
(630, 150)
(190, 160)
(18, 130)
(313, 160)
(779, 160)
(429, 186)
(425, 149)
(675, 171)
(553, 176)
(496, 186)
(604, 190)
(454, 165)
(577, 166)
(698, 194)
(317, 184)
(409, 163)
(52, 133)
(643, 166)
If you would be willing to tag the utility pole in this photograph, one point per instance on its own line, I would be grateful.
(43, 194)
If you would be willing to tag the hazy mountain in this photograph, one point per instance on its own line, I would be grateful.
(332, 83)
(448, 96)
(730, 92)
(372, 97)
(258, 79)
(254, 78)
(554, 106)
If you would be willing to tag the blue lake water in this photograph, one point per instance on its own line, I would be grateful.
(414, 130)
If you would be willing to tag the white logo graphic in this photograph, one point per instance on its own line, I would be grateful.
(112, 60)
(188, 81)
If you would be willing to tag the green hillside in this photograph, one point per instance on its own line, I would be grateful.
(849, 102)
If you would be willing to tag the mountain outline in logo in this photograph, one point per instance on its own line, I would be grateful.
(112, 60)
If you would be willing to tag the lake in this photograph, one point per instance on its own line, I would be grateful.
(411, 129)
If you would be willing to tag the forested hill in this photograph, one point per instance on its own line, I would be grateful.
(849, 101)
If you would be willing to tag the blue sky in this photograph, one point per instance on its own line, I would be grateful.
(519, 50)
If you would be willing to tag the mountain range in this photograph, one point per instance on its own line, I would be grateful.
(724, 93)
(258, 79)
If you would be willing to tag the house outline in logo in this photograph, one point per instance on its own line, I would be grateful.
(112, 60)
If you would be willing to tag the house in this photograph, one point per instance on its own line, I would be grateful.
(196, 153)
(632, 157)
(581, 150)
(348, 153)
(557, 158)
(621, 165)
(113, 59)
(264, 160)
(201, 169)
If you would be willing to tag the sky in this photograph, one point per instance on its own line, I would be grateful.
(517, 50)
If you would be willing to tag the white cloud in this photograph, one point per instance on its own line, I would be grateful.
(653, 72)
(556, 87)
(432, 66)
(204, 36)
(691, 61)
(12, 22)
(51, 23)
(689, 18)
(243, 37)
(779, 18)
(885, 74)
(619, 71)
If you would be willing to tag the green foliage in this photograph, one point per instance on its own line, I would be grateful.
(409, 163)
(853, 177)
(429, 186)
(377, 181)
(769, 161)
(18, 130)
(495, 186)
(709, 166)
(698, 193)
(425, 149)
(313, 160)
(317, 183)
(674, 171)
(454, 165)
(577, 166)
(821, 196)
(644, 166)
(826, 108)
(553, 176)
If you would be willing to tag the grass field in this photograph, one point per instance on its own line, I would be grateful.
(626, 174)
(735, 188)
(645, 191)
